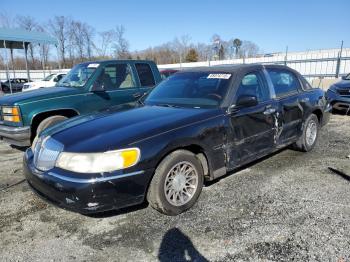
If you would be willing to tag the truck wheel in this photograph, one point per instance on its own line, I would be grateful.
(308, 139)
(176, 184)
(50, 121)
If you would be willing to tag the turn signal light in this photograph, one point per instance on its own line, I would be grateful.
(12, 119)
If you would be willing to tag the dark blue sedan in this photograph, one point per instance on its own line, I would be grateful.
(195, 126)
(339, 95)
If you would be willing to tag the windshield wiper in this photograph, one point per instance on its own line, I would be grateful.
(167, 105)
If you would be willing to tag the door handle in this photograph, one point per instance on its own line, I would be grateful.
(137, 95)
(269, 111)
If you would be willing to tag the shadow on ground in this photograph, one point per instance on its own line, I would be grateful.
(176, 246)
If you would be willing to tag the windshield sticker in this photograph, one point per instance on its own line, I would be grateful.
(93, 65)
(219, 76)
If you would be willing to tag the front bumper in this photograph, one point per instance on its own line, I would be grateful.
(19, 136)
(85, 193)
(338, 102)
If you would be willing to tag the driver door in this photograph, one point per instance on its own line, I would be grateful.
(116, 84)
(252, 128)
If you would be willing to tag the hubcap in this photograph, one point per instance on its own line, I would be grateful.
(181, 183)
(311, 133)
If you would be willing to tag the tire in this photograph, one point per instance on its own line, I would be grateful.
(167, 203)
(303, 144)
(50, 121)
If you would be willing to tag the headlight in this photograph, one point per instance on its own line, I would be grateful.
(10, 110)
(11, 114)
(98, 162)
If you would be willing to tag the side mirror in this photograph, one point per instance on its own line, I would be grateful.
(243, 102)
(55, 79)
(98, 86)
(246, 101)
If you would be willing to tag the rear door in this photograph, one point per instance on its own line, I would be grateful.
(286, 86)
(252, 128)
(145, 76)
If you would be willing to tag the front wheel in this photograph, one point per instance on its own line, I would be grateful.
(50, 121)
(308, 139)
(176, 184)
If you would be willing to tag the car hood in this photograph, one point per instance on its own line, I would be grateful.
(39, 94)
(344, 84)
(113, 130)
(37, 83)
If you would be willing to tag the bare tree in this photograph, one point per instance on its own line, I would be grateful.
(44, 49)
(59, 27)
(248, 49)
(107, 37)
(77, 33)
(6, 20)
(181, 46)
(204, 51)
(28, 23)
(81, 40)
(121, 45)
(89, 33)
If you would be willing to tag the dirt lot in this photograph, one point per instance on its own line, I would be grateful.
(286, 207)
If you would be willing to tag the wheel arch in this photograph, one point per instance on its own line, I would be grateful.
(319, 114)
(195, 148)
(39, 117)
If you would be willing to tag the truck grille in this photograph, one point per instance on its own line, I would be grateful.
(344, 92)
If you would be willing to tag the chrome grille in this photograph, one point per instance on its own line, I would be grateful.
(46, 152)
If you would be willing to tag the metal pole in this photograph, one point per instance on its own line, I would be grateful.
(13, 66)
(285, 57)
(7, 67)
(25, 46)
(42, 60)
(339, 60)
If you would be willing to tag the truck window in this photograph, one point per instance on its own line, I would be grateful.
(284, 81)
(252, 84)
(116, 76)
(145, 74)
(306, 84)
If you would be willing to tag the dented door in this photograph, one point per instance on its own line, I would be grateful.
(286, 85)
(252, 129)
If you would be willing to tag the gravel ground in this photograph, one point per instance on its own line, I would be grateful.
(285, 207)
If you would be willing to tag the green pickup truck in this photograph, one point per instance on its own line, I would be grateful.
(88, 87)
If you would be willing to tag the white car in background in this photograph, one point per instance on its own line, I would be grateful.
(49, 81)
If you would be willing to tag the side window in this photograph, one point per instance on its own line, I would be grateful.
(284, 82)
(252, 84)
(116, 76)
(145, 74)
(58, 78)
(306, 84)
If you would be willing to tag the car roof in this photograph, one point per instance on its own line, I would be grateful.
(119, 61)
(232, 68)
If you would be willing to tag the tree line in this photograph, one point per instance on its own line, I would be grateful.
(79, 42)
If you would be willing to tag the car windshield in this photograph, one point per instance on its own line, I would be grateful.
(347, 77)
(191, 89)
(48, 78)
(79, 75)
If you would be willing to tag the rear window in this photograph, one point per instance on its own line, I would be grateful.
(145, 74)
(284, 82)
